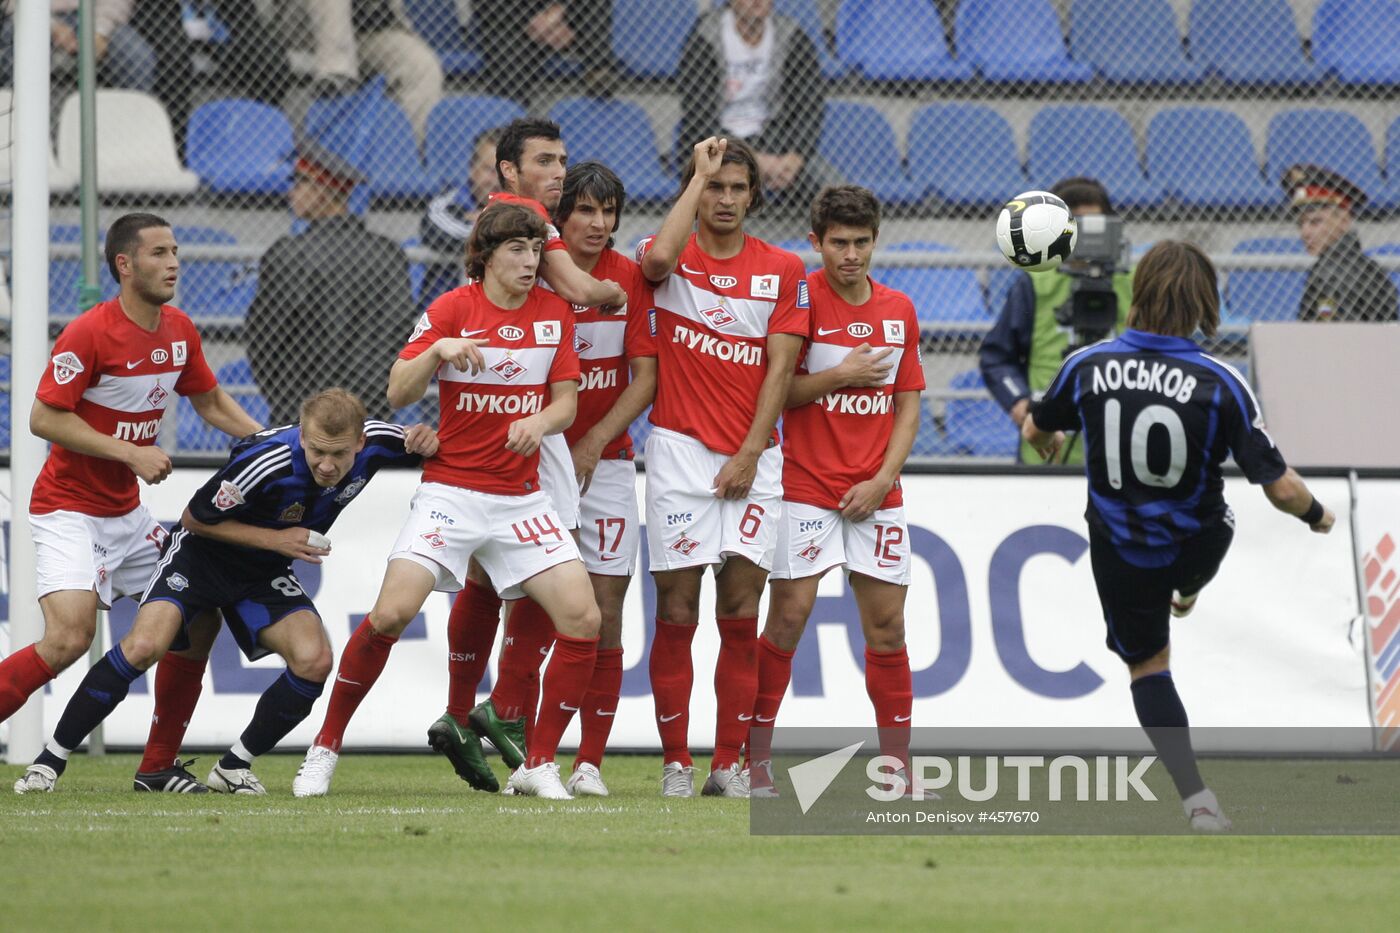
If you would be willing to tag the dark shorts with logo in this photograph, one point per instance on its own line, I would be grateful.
(1137, 601)
(197, 574)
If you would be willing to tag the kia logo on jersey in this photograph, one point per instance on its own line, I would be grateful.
(860, 330)
(511, 332)
(723, 281)
(159, 355)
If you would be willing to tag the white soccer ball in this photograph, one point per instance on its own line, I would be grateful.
(1036, 231)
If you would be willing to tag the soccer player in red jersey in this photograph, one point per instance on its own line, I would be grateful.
(100, 403)
(503, 352)
(853, 411)
(731, 317)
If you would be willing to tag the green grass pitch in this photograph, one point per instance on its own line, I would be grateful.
(402, 844)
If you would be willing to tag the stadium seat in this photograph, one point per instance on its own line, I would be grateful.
(1086, 140)
(60, 179)
(1358, 40)
(965, 155)
(135, 145)
(453, 126)
(437, 22)
(1204, 157)
(809, 17)
(66, 273)
(416, 272)
(214, 287)
(1335, 139)
(373, 133)
(240, 147)
(940, 295)
(648, 35)
(858, 141)
(619, 134)
(1265, 294)
(1133, 41)
(977, 427)
(1250, 42)
(1038, 54)
(998, 287)
(194, 435)
(5, 402)
(913, 50)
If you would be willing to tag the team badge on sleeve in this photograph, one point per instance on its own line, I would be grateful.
(420, 328)
(66, 367)
(228, 496)
(651, 320)
(764, 286)
(802, 301)
(894, 332)
(547, 333)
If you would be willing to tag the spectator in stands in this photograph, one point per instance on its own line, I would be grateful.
(1025, 347)
(448, 222)
(520, 36)
(755, 74)
(378, 34)
(332, 302)
(1344, 284)
(124, 58)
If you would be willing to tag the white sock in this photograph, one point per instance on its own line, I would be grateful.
(58, 751)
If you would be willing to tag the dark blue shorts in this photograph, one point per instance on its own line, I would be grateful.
(196, 576)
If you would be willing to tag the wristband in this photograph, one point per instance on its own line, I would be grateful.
(1314, 513)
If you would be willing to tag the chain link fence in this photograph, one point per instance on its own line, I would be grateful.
(1188, 111)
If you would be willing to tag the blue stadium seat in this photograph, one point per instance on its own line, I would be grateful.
(66, 274)
(1087, 140)
(1358, 40)
(940, 295)
(617, 133)
(240, 147)
(896, 40)
(436, 21)
(214, 287)
(453, 126)
(373, 133)
(929, 441)
(1335, 139)
(1133, 41)
(977, 427)
(809, 17)
(5, 401)
(999, 286)
(1204, 157)
(1392, 164)
(860, 143)
(193, 434)
(1250, 42)
(1038, 53)
(648, 35)
(965, 154)
(1265, 294)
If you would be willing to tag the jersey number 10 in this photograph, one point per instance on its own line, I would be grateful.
(1146, 420)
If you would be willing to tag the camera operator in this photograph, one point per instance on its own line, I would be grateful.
(1049, 314)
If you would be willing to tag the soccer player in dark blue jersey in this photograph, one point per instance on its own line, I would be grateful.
(272, 503)
(1159, 415)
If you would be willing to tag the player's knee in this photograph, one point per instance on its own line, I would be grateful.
(391, 620)
(610, 629)
(785, 625)
(312, 662)
(61, 648)
(142, 651)
(886, 633)
(678, 609)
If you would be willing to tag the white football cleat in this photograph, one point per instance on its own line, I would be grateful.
(39, 778)
(539, 781)
(586, 781)
(314, 776)
(761, 780)
(1204, 812)
(677, 780)
(235, 781)
(1182, 605)
(727, 782)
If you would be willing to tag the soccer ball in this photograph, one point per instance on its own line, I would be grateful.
(1036, 231)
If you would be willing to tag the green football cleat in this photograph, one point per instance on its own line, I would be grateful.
(507, 735)
(463, 748)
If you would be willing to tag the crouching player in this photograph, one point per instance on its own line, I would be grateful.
(272, 503)
(1159, 416)
(853, 410)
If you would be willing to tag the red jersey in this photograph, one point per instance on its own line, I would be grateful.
(118, 377)
(839, 440)
(552, 239)
(530, 347)
(605, 342)
(713, 318)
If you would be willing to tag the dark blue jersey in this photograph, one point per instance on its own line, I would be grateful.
(1158, 417)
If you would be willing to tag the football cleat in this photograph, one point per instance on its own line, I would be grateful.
(677, 780)
(37, 778)
(761, 780)
(539, 781)
(1182, 605)
(462, 747)
(314, 776)
(727, 782)
(235, 781)
(586, 781)
(506, 735)
(1204, 812)
(173, 780)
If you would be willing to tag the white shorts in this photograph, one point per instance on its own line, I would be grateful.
(610, 534)
(812, 540)
(557, 479)
(115, 556)
(513, 537)
(687, 526)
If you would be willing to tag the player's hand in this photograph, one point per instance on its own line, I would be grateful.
(420, 439)
(462, 353)
(1045, 444)
(294, 543)
(150, 463)
(586, 453)
(616, 304)
(708, 155)
(1325, 524)
(863, 499)
(735, 478)
(865, 368)
(524, 436)
(1019, 410)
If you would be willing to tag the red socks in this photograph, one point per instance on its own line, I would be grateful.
(736, 684)
(599, 707)
(891, 689)
(529, 631)
(179, 681)
(361, 663)
(774, 674)
(20, 675)
(564, 685)
(471, 634)
(672, 676)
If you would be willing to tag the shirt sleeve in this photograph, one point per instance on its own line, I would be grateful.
(565, 364)
(436, 322)
(637, 339)
(1005, 352)
(197, 377)
(230, 493)
(910, 375)
(72, 368)
(1250, 444)
(1058, 409)
(384, 446)
(793, 312)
